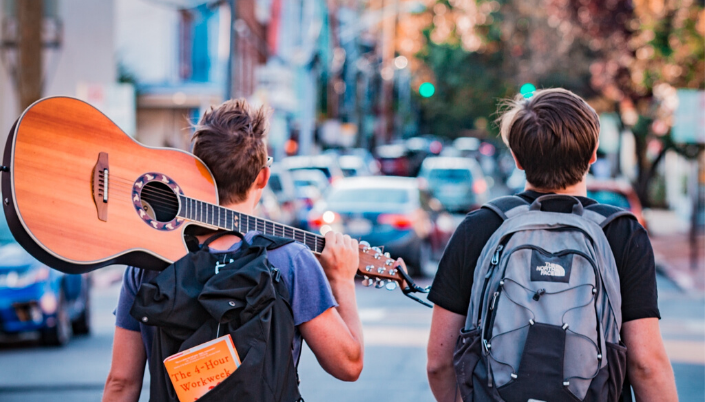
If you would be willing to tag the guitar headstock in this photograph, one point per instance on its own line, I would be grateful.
(378, 268)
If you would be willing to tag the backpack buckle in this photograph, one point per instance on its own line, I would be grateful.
(277, 275)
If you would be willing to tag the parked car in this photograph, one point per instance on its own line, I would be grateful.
(36, 298)
(282, 185)
(458, 183)
(356, 161)
(384, 211)
(421, 147)
(354, 165)
(393, 160)
(618, 193)
(310, 185)
(268, 206)
(327, 164)
(468, 147)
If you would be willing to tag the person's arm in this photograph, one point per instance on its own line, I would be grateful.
(335, 336)
(124, 381)
(650, 372)
(445, 328)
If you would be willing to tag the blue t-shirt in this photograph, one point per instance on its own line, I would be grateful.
(309, 291)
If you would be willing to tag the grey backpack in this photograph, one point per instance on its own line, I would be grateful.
(545, 309)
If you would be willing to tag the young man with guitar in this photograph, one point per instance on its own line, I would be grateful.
(553, 137)
(230, 140)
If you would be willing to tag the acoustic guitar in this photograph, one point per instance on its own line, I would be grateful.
(80, 194)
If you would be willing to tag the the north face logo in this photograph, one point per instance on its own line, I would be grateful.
(551, 269)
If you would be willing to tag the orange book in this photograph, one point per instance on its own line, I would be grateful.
(198, 370)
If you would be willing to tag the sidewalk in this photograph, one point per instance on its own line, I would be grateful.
(670, 238)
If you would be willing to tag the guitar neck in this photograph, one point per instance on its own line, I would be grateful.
(224, 218)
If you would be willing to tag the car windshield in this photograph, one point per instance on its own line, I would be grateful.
(449, 176)
(609, 198)
(369, 196)
(5, 234)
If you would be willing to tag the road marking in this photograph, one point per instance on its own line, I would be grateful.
(685, 351)
(372, 314)
(396, 336)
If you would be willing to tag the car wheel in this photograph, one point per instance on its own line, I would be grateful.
(60, 333)
(422, 259)
(82, 325)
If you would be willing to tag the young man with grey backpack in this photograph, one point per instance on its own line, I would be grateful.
(548, 295)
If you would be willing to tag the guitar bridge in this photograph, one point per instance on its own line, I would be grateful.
(100, 186)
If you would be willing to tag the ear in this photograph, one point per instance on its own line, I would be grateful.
(516, 161)
(262, 178)
(593, 158)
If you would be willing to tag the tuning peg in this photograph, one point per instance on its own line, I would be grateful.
(386, 254)
(377, 250)
(391, 285)
(378, 283)
(365, 246)
(367, 281)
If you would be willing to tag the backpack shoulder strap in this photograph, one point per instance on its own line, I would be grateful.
(603, 214)
(269, 242)
(507, 206)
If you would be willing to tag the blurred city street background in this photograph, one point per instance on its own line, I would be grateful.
(382, 127)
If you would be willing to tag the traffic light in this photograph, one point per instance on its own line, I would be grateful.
(427, 90)
(527, 90)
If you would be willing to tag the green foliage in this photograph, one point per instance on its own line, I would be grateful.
(468, 86)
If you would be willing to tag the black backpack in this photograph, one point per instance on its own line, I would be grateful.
(202, 296)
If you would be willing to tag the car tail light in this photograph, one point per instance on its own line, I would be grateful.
(397, 221)
(479, 186)
(317, 219)
(436, 147)
(308, 202)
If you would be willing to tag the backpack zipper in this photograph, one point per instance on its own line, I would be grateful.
(493, 264)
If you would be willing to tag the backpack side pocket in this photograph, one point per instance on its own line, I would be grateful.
(467, 354)
(617, 366)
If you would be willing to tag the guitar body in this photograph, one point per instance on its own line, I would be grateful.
(63, 155)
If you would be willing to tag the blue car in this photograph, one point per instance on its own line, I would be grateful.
(385, 211)
(36, 298)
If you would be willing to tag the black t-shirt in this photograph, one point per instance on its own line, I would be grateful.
(629, 242)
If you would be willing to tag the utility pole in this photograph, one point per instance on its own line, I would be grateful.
(30, 15)
(230, 77)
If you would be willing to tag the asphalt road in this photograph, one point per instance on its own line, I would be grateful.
(396, 332)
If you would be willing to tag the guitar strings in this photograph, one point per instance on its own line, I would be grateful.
(168, 200)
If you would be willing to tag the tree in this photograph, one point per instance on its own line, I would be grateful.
(644, 50)
(479, 52)
(623, 56)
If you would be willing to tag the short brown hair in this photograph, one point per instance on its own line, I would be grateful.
(553, 135)
(230, 140)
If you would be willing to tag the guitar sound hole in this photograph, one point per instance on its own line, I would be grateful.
(161, 199)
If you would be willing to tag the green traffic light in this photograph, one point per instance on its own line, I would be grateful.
(527, 90)
(427, 90)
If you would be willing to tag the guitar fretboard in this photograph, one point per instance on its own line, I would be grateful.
(223, 218)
